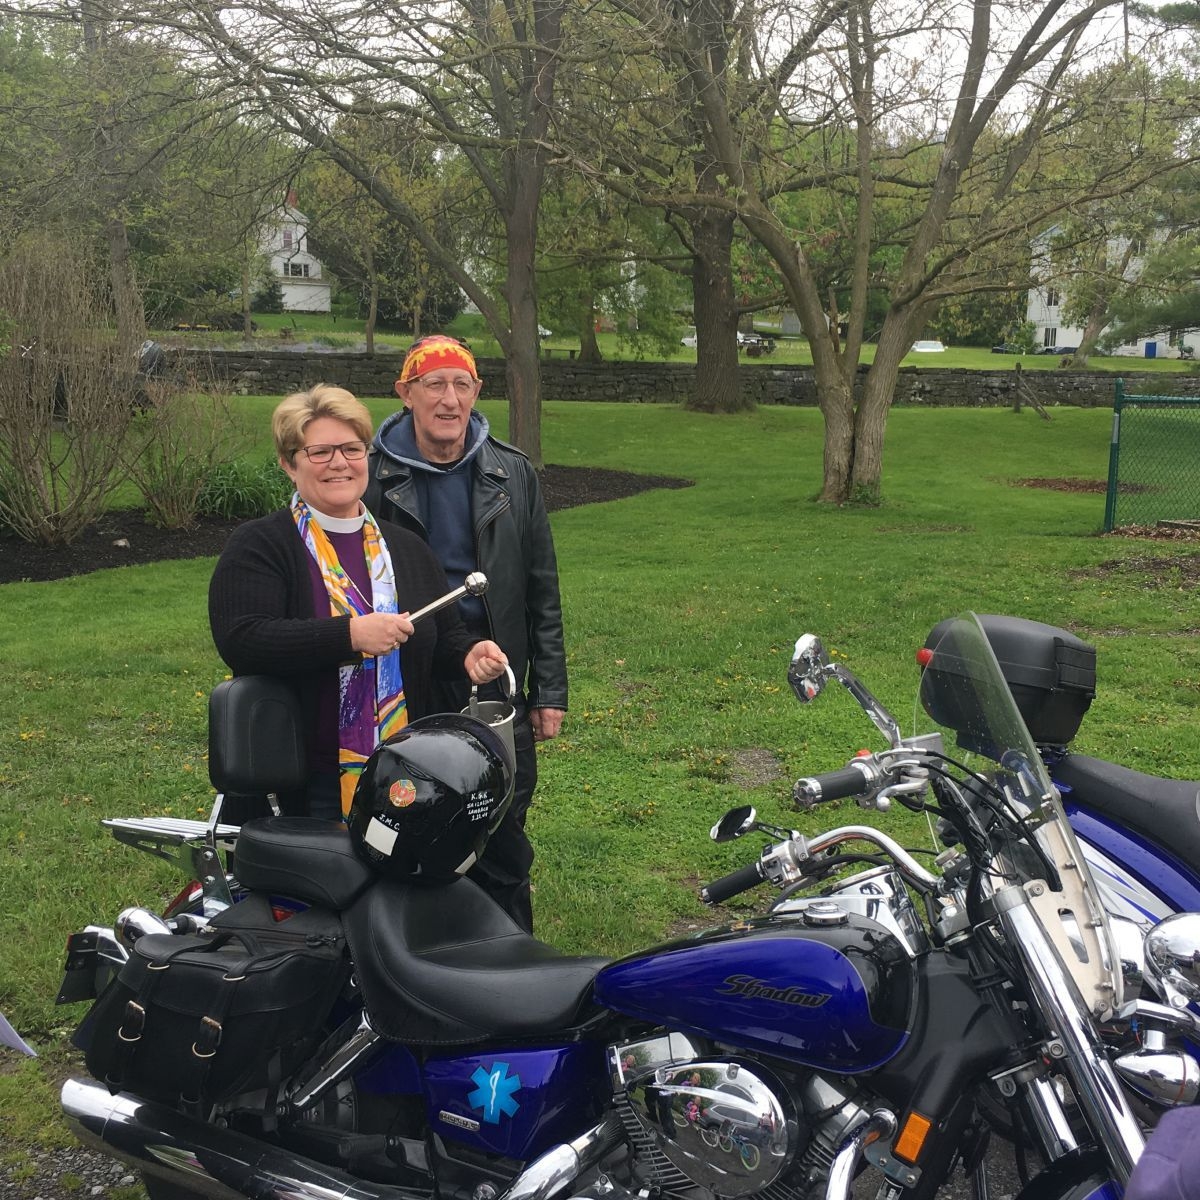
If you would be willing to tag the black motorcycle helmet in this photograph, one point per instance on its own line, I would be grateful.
(429, 798)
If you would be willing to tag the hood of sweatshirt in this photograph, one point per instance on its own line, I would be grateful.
(397, 439)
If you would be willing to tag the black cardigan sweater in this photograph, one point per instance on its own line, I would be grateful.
(260, 607)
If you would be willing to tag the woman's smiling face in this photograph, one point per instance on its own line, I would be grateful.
(335, 487)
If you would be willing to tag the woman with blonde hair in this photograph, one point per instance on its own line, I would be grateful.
(318, 594)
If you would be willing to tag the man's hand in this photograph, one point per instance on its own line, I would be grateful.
(546, 723)
(485, 661)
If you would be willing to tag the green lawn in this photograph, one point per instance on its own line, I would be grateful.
(681, 609)
(347, 333)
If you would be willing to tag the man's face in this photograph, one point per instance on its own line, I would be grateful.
(441, 404)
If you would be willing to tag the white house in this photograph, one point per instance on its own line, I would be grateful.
(1046, 300)
(300, 274)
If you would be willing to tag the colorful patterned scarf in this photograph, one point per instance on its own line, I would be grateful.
(371, 705)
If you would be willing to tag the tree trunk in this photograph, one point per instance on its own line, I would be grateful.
(421, 291)
(247, 319)
(520, 290)
(372, 316)
(870, 425)
(131, 318)
(1092, 329)
(372, 299)
(589, 348)
(871, 413)
(718, 387)
(835, 397)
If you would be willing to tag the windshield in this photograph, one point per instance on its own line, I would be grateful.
(964, 690)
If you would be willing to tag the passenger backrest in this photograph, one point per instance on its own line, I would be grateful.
(255, 744)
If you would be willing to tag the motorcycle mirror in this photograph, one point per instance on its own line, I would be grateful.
(734, 823)
(806, 674)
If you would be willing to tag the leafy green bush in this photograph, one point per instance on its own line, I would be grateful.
(244, 488)
(268, 298)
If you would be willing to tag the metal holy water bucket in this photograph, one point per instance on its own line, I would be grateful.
(499, 714)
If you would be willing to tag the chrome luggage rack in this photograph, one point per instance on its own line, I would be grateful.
(194, 846)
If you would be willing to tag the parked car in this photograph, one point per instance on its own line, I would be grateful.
(1058, 350)
(928, 346)
(689, 339)
(756, 344)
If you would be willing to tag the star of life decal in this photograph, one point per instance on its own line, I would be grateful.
(493, 1094)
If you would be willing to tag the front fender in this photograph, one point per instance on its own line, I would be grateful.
(1082, 1175)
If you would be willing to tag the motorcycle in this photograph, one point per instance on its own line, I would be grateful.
(887, 1022)
(1139, 832)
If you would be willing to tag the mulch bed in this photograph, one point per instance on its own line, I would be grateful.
(124, 538)
(1095, 486)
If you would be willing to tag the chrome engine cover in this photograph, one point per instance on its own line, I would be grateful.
(727, 1126)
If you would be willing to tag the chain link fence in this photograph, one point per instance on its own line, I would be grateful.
(1154, 460)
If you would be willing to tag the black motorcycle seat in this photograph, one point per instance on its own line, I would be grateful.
(1165, 811)
(445, 965)
(302, 857)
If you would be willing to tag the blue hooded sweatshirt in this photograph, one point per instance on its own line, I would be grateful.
(444, 500)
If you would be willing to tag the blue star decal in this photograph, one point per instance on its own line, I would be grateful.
(493, 1092)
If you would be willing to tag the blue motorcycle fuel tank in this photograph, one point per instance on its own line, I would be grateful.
(837, 997)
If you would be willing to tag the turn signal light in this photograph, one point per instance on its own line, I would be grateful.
(912, 1137)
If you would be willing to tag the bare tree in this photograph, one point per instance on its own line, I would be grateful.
(67, 391)
(468, 78)
(879, 152)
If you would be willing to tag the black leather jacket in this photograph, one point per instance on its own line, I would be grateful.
(513, 548)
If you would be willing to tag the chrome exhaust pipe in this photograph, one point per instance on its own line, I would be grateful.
(559, 1167)
(216, 1163)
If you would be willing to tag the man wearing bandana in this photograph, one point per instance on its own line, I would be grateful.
(436, 470)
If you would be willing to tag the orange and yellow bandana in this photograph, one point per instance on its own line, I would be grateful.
(432, 353)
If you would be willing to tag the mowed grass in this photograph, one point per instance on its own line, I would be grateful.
(346, 333)
(681, 609)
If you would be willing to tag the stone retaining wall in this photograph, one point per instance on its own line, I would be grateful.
(275, 373)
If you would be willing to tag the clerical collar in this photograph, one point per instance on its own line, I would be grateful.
(338, 524)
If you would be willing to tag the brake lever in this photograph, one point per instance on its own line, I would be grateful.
(774, 831)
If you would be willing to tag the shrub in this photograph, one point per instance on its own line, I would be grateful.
(217, 310)
(268, 298)
(185, 432)
(67, 384)
(243, 488)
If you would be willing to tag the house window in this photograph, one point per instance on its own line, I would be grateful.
(1051, 298)
(297, 270)
(1050, 336)
(287, 239)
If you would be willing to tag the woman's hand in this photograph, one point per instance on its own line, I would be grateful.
(485, 661)
(376, 634)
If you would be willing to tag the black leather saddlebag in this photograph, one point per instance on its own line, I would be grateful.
(196, 1019)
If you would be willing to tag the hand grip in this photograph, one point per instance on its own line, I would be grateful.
(741, 880)
(833, 785)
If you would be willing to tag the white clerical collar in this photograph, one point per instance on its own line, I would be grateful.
(338, 524)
